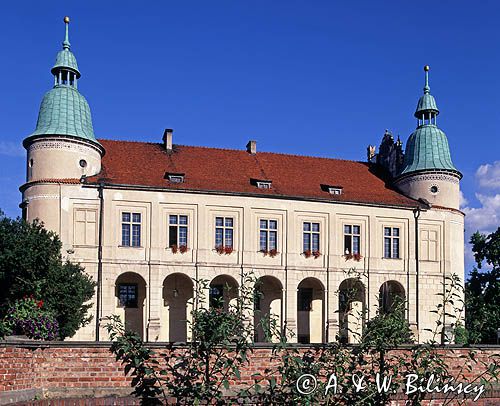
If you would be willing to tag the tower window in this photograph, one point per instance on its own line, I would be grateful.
(83, 163)
(434, 189)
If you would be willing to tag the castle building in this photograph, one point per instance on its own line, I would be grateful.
(145, 219)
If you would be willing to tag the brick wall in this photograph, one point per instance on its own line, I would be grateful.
(86, 369)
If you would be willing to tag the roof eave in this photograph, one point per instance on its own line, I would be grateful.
(110, 185)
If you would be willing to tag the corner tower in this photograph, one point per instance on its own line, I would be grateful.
(63, 147)
(428, 171)
(63, 144)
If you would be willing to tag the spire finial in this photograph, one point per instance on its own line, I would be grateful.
(66, 43)
(427, 89)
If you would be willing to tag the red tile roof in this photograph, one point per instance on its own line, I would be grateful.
(67, 181)
(223, 170)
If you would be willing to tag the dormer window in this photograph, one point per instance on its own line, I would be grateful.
(175, 177)
(334, 190)
(264, 185)
(261, 184)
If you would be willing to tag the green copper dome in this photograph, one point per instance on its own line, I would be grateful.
(427, 147)
(64, 111)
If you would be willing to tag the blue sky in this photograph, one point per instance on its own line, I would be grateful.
(307, 77)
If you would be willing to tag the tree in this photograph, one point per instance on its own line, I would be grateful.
(482, 290)
(31, 264)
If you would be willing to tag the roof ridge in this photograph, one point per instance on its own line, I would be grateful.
(236, 150)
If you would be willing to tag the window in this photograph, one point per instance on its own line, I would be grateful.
(352, 239)
(429, 245)
(131, 229)
(85, 230)
(261, 183)
(391, 242)
(127, 294)
(257, 298)
(304, 302)
(175, 177)
(224, 227)
(335, 190)
(264, 185)
(268, 235)
(310, 237)
(177, 230)
(216, 296)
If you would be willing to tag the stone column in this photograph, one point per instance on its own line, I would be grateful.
(290, 325)
(155, 289)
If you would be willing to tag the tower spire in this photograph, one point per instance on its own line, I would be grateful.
(427, 153)
(64, 111)
(427, 89)
(65, 69)
(427, 110)
(66, 43)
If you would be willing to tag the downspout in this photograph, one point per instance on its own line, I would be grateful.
(366, 311)
(242, 254)
(416, 215)
(284, 301)
(327, 298)
(196, 265)
(99, 260)
(150, 242)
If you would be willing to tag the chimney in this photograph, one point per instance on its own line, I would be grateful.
(167, 139)
(252, 147)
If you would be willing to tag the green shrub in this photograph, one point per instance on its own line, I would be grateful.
(31, 264)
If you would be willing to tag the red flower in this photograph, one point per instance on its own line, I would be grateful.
(40, 304)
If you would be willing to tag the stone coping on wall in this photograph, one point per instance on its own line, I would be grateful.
(81, 369)
(162, 344)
